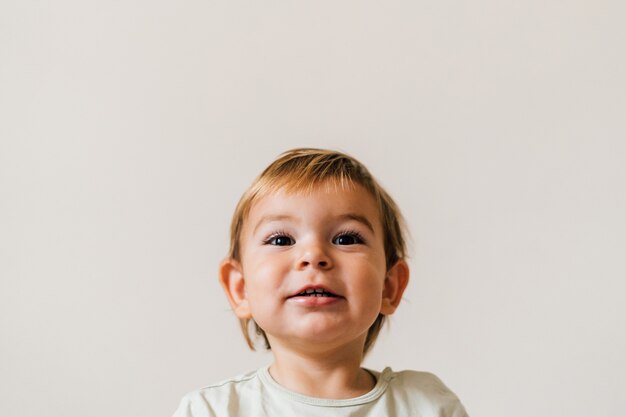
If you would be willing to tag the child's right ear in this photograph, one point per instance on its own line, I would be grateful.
(231, 278)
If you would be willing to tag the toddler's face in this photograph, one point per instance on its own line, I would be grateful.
(313, 266)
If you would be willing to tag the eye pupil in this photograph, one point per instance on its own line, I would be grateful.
(282, 241)
(346, 240)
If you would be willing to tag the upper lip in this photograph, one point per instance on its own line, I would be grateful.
(316, 288)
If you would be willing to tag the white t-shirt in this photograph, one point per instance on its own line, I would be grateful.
(256, 394)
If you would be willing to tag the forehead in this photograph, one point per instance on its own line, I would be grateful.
(324, 201)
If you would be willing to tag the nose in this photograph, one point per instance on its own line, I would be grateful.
(315, 256)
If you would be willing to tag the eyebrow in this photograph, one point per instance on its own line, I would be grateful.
(361, 219)
(271, 218)
(347, 216)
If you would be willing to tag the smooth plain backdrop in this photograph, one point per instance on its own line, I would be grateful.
(129, 129)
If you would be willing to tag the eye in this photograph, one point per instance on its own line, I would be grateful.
(348, 238)
(279, 239)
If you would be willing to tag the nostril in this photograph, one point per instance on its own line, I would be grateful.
(321, 262)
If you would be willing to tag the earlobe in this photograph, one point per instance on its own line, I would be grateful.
(231, 278)
(395, 284)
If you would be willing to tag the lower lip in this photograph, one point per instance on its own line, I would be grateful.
(315, 301)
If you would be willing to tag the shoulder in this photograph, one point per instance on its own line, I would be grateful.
(214, 399)
(415, 381)
(423, 390)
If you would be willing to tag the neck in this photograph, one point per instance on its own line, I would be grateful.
(332, 372)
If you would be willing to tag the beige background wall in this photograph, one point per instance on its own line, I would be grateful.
(129, 129)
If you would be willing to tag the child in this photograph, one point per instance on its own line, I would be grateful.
(316, 263)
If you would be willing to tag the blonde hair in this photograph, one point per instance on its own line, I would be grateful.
(301, 170)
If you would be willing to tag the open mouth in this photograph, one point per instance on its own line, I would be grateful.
(315, 292)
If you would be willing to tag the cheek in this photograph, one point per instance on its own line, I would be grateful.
(263, 279)
(368, 280)
(265, 269)
(371, 269)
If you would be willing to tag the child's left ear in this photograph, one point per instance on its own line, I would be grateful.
(395, 283)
